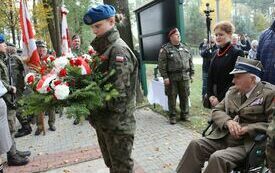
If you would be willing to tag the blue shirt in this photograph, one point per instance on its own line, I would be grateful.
(266, 53)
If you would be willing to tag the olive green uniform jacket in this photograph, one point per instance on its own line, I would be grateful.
(255, 112)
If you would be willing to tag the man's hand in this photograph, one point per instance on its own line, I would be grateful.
(234, 129)
(13, 89)
(166, 82)
(213, 100)
(244, 130)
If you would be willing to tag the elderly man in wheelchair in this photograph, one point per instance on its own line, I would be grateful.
(245, 112)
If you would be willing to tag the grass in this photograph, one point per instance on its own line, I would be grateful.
(198, 114)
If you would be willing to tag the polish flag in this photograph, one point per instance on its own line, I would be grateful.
(29, 46)
(65, 32)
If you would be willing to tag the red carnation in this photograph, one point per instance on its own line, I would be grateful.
(49, 89)
(57, 82)
(30, 79)
(63, 72)
(78, 62)
(72, 62)
(92, 52)
(42, 70)
(51, 58)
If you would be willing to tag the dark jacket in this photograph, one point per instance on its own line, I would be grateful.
(219, 79)
(207, 54)
(266, 53)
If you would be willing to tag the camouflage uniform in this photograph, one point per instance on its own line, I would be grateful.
(115, 123)
(77, 52)
(175, 63)
(270, 149)
(17, 76)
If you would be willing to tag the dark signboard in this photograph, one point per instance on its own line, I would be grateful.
(154, 22)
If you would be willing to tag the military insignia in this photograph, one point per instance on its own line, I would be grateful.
(257, 102)
(120, 59)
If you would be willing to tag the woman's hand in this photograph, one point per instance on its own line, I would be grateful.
(166, 82)
(214, 101)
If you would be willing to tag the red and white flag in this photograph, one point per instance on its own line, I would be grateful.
(65, 32)
(29, 46)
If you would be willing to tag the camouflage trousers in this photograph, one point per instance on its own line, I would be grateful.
(182, 89)
(12, 120)
(51, 119)
(12, 126)
(116, 149)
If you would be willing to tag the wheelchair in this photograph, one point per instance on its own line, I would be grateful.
(255, 160)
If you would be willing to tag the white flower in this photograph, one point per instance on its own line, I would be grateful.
(60, 62)
(61, 92)
(29, 78)
(86, 56)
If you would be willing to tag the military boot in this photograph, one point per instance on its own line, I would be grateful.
(172, 120)
(25, 130)
(17, 160)
(23, 153)
(183, 117)
(52, 127)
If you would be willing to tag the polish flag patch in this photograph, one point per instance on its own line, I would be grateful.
(120, 59)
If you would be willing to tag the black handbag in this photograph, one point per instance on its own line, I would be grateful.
(205, 102)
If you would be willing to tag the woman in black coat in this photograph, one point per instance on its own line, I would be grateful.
(219, 79)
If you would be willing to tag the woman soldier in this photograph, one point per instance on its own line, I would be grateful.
(114, 123)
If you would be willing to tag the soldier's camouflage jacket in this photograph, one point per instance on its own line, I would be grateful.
(115, 54)
(175, 63)
(17, 74)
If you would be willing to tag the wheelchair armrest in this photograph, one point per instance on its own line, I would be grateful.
(209, 122)
(260, 137)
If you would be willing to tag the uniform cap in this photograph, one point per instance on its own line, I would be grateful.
(40, 43)
(99, 13)
(2, 38)
(172, 31)
(245, 65)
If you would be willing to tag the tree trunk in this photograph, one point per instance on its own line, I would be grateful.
(124, 30)
(12, 23)
(57, 16)
(53, 25)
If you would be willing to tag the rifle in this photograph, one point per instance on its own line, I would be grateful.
(11, 83)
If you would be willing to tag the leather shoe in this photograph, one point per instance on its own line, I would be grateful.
(52, 128)
(23, 153)
(37, 132)
(22, 132)
(17, 160)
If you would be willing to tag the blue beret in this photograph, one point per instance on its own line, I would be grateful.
(99, 13)
(2, 38)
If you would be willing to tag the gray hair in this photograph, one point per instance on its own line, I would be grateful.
(254, 43)
(257, 78)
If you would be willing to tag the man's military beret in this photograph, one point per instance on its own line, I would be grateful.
(40, 43)
(99, 13)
